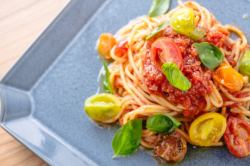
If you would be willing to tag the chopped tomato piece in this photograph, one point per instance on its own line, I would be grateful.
(164, 50)
(237, 137)
(121, 49)
(172, 148)
(217, 38)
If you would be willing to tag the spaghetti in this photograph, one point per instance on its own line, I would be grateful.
(144, 90)
(127, 71)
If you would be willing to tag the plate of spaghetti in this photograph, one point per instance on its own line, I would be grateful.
(172, 80)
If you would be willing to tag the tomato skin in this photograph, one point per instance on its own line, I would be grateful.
(237, 137)
(121, 49)
(229, 77)
(103, 107)
(182, 21)
(207, 129)
(171, 148)
(105, 43)
(165, 50)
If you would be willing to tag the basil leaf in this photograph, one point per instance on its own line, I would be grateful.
(107, 87)
(128, 138)
(175, 76)
(159, 123)
(210, 55)
(162, 123)
(176, 124)
(159, 7)
(245, 64)
(157, 30)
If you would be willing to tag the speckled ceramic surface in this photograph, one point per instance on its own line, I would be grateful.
(42, 96)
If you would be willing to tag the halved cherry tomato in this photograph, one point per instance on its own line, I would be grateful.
(105, 44)
(164, 50)
(229, 77)
(102, 107)
(207, 129)
(237, 137)
(121, 49)
(182, 21)
(171, 148)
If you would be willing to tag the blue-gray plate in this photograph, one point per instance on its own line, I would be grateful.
(42, 96)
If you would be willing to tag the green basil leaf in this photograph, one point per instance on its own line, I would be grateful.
(157, 30)
(128, 138)
(159, 7)
(210, 55)
(175, 76)
(159, 123)
(176, 124)
(162, 123)
(245, 64)
(107, 87)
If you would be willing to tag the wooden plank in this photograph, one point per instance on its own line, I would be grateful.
(8, 147)
(13, 152)
(6, 138)
(21, 157)
(20, 26)
(32, 161)
(21, 23)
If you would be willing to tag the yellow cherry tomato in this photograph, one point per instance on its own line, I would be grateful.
(105, 44)
(207, 129)
(182, 21)
(102, 107)
(229, 77)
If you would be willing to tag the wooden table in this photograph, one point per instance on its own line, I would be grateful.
(21, 23)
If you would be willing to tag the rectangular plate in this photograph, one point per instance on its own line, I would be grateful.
(42, 96)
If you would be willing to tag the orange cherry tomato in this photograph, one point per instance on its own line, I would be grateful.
(105, 44)
(237, 137)
(229, 77)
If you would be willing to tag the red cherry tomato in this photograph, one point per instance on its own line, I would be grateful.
(164, 50)
(237, 137)
(121, 49)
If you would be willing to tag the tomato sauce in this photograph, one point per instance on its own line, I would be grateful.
(193, 100)
(219, 39)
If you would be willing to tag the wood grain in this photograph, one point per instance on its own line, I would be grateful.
(21, 23)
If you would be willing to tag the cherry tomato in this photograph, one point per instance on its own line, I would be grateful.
(237, 137)
(182, 21)
(229, 77)
(207, 129)
(102, 107)
(171, 148)
(151, 139)
(245, 64)
(165, 50)
(105, 44)
(121, 49)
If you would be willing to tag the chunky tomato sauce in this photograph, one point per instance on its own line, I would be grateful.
(219, 38)
(193, 100)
